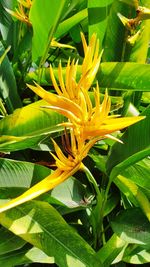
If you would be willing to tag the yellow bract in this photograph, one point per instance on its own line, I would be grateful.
(88, 121)
(71, 87)
(22, 12)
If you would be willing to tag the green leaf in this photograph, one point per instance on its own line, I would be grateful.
(37, 255)
(41, 225)
(25, 255)
(6, 23)
(138, 51)
(133, 193)
(45, 17)
(139, 173)
(14, 258)
(8, 88)
(98, 12)
(4, 54)
(28, 127)
(20, 174)
(120, 76)
(9, 242)
(136, 254)
(71, 193)
(111, 250)
(132, 226)
(136, 146)
(69, 23)
(115, 33)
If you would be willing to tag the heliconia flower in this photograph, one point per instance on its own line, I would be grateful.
(20, 14)
(88, 121)
(70, 88)
(66, 167)
(91, 61)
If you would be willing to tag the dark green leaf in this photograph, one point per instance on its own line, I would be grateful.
(98, 12)
(136, 146)
(9, 242)
(115, 33)
(8, 88)
(69, 23)
(132, 226)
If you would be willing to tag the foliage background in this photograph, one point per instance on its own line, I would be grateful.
(55, 228)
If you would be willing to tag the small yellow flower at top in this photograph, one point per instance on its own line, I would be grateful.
(71, 87)
(22, 12)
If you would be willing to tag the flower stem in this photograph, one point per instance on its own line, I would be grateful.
(96, 212)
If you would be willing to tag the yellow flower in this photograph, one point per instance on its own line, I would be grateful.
(20, 13)
(88, 121)
(70, 88)
(66, 167)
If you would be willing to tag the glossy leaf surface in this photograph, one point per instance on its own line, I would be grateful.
(41, 225)
(28, 126)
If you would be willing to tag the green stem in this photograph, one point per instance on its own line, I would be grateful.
(96, 214)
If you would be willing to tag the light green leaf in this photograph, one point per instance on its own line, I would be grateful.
(137, 255)
(41, 225)
(45, 17)
(111, 250)
(134, 194)
(124, 75)
(71, 193)
(28, 127)
(139, 173)
(138, 52)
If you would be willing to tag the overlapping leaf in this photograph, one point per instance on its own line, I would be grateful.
(28, 126)
(41, 225)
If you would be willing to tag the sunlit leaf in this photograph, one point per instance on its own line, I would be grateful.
(28, 127)
(109, 252)
(124, 75)
(44, 17)
(134, 194)
(41, 225)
